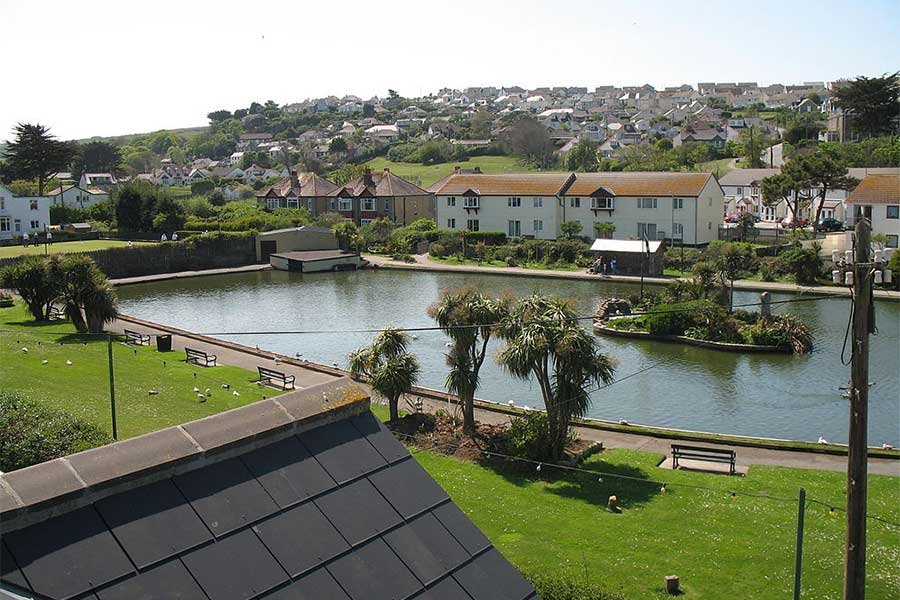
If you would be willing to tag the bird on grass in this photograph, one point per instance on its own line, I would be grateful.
(69, 363)
(44, 362)
(235, 393)
(25, 350)
(822, 440)
(225, 386)
(208, 392)
(201, 397)
(196, 390)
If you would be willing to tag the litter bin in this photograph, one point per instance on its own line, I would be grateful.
(163, 343)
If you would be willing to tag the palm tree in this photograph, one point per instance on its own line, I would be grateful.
(545, 341)
(90, 301)
(100, 306)
(468, 317)
(389, 368)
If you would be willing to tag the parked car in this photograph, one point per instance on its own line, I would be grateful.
(735, 217)
(794, 223)
(830, 225)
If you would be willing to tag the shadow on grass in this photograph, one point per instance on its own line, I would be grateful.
(632, 486)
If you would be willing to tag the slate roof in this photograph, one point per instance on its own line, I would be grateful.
(338, 510)
(307, 185)
(378, 185)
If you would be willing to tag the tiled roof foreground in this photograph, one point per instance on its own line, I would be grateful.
(337, 511)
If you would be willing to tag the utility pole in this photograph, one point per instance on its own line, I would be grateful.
(863, 325)
(112, 386)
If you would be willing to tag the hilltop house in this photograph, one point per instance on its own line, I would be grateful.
(375, 195)
(685, 207)
(101, 181)
(298, 190)
(73, 196)
(22, 214)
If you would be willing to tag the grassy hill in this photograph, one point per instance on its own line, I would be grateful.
(424, 176)
(123, 140)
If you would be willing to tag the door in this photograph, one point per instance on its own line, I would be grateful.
(266, 248)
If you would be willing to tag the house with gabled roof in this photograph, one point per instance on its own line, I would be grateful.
(73, 196)
(877, 198)
(305, 495)
(101, 181)
(298, 190)
(381, 195)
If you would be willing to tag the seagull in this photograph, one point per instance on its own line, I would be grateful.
(25, 350)
(208, 392)
(822, 440)
(225, 386)
(201, 397)
(196, 390)
(511, 403)
(44, 362)
(448, 344)
(887, 447)
(153, 392)
(69, 362)
(623, 422)
(298, 354)
(277, 360)
(235, 393)
(415, 337)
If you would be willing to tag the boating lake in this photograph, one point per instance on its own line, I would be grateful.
(782, 396)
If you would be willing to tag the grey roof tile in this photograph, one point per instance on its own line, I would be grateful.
(460, 527)
(301, 538)
(316, 585)
(373, 572)
(343, 452)
(288, 472)
(408, 488)
(168, 581)
(358, 511)
(427, 548)
(491, 577)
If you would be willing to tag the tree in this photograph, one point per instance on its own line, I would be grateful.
(570, 229)
(800, 175)
(604, 230)
(664, 144)
(825, 173)
(545, 341)
(751, 147)
(744, 225)
(872, 102)
(583, 156)
(388, 367)
(347, 234)
(90, 301)
(37, 154)
(468, 317)
(347, 172)
(96, 157)
(37, 280)
(337, 144)
(368, 110)
(219, 115)
(530, 141)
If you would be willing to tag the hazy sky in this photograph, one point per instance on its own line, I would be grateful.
(92, 67)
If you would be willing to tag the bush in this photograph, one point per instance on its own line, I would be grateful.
(31, 433)
(675, 319)
(676, 257)
(490, 238)
(528, 436)
(555, 586)
(437, 250)
(894, 266)
(804, 264)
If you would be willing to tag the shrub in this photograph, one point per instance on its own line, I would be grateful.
(490, 238)
(676, 257)
(528, 436)
(6, 300)
(894, 266)
(556, 586)
(804, 264)
(675, 319)
(31, 433)
(437, 249)
(767, 269)
(403, 257)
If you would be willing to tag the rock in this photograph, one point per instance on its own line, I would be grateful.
(612, 306)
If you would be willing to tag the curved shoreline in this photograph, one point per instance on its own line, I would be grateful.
(683, 339)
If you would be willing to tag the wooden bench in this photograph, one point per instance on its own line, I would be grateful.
(719, 455)
(57, 313)
(136, 337)
(199, 357)
(268, 376)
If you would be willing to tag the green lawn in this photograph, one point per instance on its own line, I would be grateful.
(716, 167)
(83, 387)
(424, 176)
(64, 247)
(719, 546)
(452, 260)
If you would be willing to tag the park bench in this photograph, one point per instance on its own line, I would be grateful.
(199, 357)
(269, 375)
(719, 455)
(57, 313)
(136, 337)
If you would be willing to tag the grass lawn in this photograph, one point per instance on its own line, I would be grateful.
(721, 548)
(83, 388)
(716, 167)
(424, 176)
(452, 260)
(64, 247)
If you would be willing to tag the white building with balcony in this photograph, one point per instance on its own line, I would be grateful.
(682, 207)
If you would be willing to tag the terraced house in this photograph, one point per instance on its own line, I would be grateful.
(298, 190)
(681, 207)
(381, 195)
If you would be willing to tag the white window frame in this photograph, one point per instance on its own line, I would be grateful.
(451, 201)
(538, 225)
(5, 224)
(472, 225)
(644, 229)
(677, 203)
(293, 203)
(34, 204)
(574, 202)
(471, 202)
(647, 203)
(367, 204)
(740, 191)
(451, 223)
(602, 203)
(538, 202)
(35, 224)
(677, 231)
(514, 228)
(514, 202)
(365, 221)
(345, 204)
(271, 203)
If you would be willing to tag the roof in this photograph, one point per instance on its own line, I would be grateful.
(746, 176)
(308, 185)
(307, 495)
(379, 185)
(314, 255)
(876, 189)
(582, 184)
(304, 228)
(635, 246)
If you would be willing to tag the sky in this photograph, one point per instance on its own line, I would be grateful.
(98, 68)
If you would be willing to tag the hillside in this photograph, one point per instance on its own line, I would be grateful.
(424, 176)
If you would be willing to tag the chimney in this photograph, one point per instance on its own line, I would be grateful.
(367, 177)
(295, 180)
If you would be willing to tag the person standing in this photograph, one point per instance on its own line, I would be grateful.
(163, 238)
(49, 237)
(175, 236)
(25, 239)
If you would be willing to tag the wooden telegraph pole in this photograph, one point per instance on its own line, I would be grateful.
(863, 325)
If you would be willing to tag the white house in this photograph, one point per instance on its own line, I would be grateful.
(684, 207)
(235, 158)
(73, 196)
(877, 198)
(102, 181)
(22, 214)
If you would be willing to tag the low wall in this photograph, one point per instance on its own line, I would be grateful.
(681, 339)
(214, 251)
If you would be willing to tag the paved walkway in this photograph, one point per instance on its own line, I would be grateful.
(425, 263)
(230, 353)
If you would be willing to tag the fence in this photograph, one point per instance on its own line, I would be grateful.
(214, 251)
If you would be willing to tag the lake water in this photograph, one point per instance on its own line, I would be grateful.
(784, 396)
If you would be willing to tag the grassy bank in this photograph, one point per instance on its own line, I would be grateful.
(425, 175)
(63, 247)
(82, 388)
(454, 260)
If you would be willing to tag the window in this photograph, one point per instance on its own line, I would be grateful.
(892, 241)
(678, 203)
(345, 204)
(5, 224)
(513, 202)
(451, 223)
(538, 202)
(602, 203)
(470, 202)
(677, 231)
(710, 201)
(575, 202)
(514, 228)
(740, 191)
(2, 203)
(472, 224)
(331, 204)
(893, 212)
(368, 204)
(34, 205)
(293, 203)
(646, 202)
(35, 224)
(754, 191)
(451, 200)
(647, 230)
(538, 225)
(364, 221)
(271, 203)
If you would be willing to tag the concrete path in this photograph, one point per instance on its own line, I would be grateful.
(186, 274)
(247, 357)
(425, 263)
